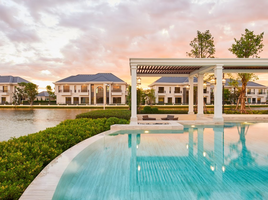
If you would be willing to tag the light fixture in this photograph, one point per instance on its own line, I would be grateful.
(204, 154)
(193, 126)
(223, 81)
(187, 146)
(187, 86)
(223, 168)
(138, 80)
(213, 80)
(137, 146)
(146, 131)
(212, 168)
(139, 168)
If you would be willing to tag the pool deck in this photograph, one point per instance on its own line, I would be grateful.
(44, 185)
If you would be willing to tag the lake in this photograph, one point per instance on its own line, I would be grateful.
(19, 122)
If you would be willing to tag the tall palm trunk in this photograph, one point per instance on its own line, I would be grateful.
(243, 96)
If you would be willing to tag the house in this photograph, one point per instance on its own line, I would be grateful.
(100, 88)
(7, 87)
(175, 90)
(42, 96)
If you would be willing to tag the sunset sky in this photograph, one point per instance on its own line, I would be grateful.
(44, 41)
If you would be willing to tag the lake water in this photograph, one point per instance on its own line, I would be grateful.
(19, 122)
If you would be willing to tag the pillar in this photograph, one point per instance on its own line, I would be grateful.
(104, 93)
(110, 94)
(133, 119)
(191, 95)
(200, 95)
(94, 94)
(218, 94)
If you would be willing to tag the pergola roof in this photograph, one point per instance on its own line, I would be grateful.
(191, 66)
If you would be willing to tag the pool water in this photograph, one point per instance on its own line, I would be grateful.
(200, 162)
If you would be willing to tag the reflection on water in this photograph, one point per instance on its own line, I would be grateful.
(18, 122)
(204, 162)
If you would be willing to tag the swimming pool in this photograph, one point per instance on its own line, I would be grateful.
(199, 162)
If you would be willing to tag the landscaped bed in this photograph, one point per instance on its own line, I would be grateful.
(23, 158)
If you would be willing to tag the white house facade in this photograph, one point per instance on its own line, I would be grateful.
(91, 89)
(7, 87)
(175, 90)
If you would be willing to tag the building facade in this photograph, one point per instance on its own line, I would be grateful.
(7, 87)
(91, 89)
(175, 90)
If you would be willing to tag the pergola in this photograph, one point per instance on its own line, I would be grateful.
(190, 67)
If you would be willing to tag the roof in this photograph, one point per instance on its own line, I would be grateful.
(100, 77)
(191, 66)
(173, 80)
(43, 93)
(250, 84)
(186, 81)
(12, 79)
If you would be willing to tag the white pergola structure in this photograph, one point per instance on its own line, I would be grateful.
(190, 67)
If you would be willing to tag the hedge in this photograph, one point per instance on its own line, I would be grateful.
(95, 114)
(23, 158)
(154, 110)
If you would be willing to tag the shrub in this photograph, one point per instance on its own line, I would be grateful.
(147, 110)
(155, 110)
(22, 159)
(95, 114)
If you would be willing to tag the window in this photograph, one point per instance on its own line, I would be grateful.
(68, 100)
(249, 100)
(205, 90)
(178, 100)
(3, 100)
(259, 100)
(161, 90)
(177, 90)
(116, 100)
(75, 88)
(116, 88)
(4, 88)
(160, 99)
(170, 100)
(84, 88)
(84, 100)
(253, 100)
(169, 89)
(76, 100)
(66, 88)
(99, 94)
(92, 94)
(248, 91)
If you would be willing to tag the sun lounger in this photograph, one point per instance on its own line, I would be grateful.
(170, 117)
(146, 117)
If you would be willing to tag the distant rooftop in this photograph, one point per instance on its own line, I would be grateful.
(43, 93)
(12, 79)
(100, 77)
(184, 80)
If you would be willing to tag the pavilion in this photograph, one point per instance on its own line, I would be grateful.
(190, 67)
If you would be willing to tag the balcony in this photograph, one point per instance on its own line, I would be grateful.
(161, 91)
(261, 93)
(65, 92)
(178, 92)
(117, 92)
(83, 92)
(5, 92)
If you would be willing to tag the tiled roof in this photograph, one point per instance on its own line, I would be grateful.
(43, 93)
(12, 79)
(250, 84)
(185, 80)
(100, 77)
(174, 80)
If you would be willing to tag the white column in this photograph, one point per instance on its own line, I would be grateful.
(200, 95)
(104, 93)
(218, 93)
(123, 97)
(191, 95)
(133, 119)
(110, 94)
(89, 94)
(94, 94)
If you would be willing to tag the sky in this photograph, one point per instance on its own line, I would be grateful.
(44, 41)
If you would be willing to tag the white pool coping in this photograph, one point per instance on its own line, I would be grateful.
(44, 185)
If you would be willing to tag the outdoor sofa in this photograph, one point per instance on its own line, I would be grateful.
(170, 117)
(146, 117)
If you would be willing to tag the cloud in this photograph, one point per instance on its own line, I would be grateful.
(69, 37)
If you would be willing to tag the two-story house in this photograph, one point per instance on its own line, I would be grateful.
(175, 90)
(101, 88)
(7, 87)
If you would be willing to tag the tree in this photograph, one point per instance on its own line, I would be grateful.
(249, 45)
(139, 97)
(29, 90)
(150, 96)
(18, 95)
(51, 94)
(203, 46)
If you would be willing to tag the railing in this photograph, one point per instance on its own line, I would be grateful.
(162, 91)
(116, 90)
(177, 92)
(261, 92)
(4, 91)
(62, 91)
(84, 90)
